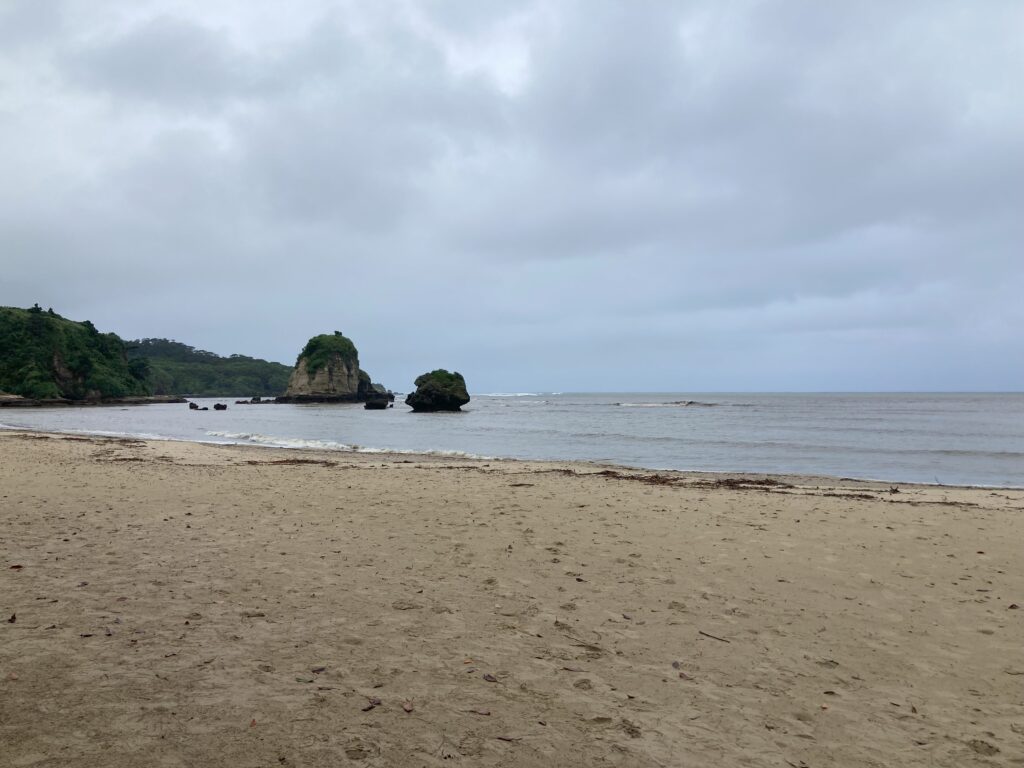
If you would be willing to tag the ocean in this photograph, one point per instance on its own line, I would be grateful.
(955, 439)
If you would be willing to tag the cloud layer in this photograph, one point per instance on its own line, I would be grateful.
(573, 196)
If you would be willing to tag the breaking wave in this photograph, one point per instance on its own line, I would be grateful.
(510, 394)
(273, 441)
(675, 404)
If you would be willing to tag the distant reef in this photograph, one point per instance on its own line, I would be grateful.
(174, 368)
(439, 390)
(327, 371)
(47, 358)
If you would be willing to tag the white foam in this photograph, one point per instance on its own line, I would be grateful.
(273, 441)
(647, 405)
(510, 394)
(681, 404)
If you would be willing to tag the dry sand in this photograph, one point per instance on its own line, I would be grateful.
(192, 605)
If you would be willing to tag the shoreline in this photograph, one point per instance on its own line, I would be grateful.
(16, 401)
(178, 603)
(792, 477)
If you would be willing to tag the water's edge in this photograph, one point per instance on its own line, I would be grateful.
(796, 479)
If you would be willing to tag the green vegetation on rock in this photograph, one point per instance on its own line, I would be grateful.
(174, 368)
(43, 355)
(439, 390)
(319, 349)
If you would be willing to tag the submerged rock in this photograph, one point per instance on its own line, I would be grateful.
(377, 398)
(438, 391)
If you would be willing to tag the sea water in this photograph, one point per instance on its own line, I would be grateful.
(971, 439)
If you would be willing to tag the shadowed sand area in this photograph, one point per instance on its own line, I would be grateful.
(179, 604)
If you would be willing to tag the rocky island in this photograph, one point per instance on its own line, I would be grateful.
(327, 371)
(438, 390)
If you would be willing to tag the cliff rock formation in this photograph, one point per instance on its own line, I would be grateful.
(44, 356)
(327, 371)
(439, 391)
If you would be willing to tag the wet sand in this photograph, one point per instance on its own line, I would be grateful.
(175, 604)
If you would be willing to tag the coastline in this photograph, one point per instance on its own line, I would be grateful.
(183, 602)
(16, 401)
(870, 484)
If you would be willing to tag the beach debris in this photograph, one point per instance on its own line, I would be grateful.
(1012, 607)
(490, 678)
(86, 634)
(17, 567)
(303, 680)
(12, 676)
(713, 637)
(372, 702)
(253, 614)
(252, 723)
(573, 669)
(14, 618)
(983, 747)
(318, 670)
(407, 706)
(684, 676)
(509, 738)
(405, 605)
(677, 665)
(632, 729)
(484, 712)
(627, 616)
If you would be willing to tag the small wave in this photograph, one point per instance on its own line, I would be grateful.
(285, 442)
(511, 394)
(93, 432)
(272, 441)
(674, 404)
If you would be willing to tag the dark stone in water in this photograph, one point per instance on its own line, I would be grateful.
(438, 391)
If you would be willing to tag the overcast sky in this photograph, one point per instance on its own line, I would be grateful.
(669, 196)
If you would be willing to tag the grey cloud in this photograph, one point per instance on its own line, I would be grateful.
(741, 195)
(167, 62)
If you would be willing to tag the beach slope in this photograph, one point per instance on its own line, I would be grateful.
(175, 604)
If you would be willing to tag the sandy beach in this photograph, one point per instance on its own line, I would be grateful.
(177, 604)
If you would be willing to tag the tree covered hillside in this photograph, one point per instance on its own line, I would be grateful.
(178, 369)
(43, 355)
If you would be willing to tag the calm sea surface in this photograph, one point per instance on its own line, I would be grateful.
(975, 439)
